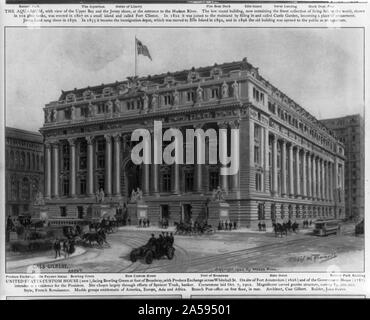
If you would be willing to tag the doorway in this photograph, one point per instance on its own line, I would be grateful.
(186, 213)
(164, 213)
(133, 177)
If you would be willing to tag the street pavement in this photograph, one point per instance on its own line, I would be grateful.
(225, 251)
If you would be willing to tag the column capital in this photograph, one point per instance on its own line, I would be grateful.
(90, 139)
(222, 124)
(47, 144)
(108, 138)
(198, 125)
(117, 137)
(234, 124)
(72, 141)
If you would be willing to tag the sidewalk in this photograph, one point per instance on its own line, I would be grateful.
(43, 259)
(239, 230)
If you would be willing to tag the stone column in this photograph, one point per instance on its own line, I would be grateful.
(291, 182)
(314, 177)
(274, 167)
(154, 170)
(319, 195)
(55, 190)
(176, 179)
(198, 168)
(72, 167)
(108, 164)
(224, 178)
(309, 177)
(47, 170)
(283, 169)
(322, 180)
(90, 165)
(266, 158)
(236, 137)
(117, 165)
(304, 183)
(298, 189)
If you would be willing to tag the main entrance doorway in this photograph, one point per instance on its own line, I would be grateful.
(164, 213)
(133, 177)
(186, 213)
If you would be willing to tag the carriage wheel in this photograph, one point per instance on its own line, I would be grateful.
(149, 257)
(170, 253)
(133, 256)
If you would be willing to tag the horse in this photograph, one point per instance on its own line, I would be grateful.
(98, 237)
(295, 226)
(279, 228)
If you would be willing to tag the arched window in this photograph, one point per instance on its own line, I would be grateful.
(28, 161)
(14, 189)
(16, 160)
(33, 161)
(11, 164)
(23, 160)
(25, 189)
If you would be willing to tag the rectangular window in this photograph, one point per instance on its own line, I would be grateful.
(258, 181)
(101, 161)
(166, 182)
(190, 96)
(83, 162)
(257, 158)
(214, 93)
(101, 145)
(63, 211)
(82, 186)
(213, 180)
(167, 99)
(80, 212)
(67, 114)
(65, 187)
(189, 181)
(101, 183)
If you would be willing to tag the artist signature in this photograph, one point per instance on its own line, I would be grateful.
(314, 257)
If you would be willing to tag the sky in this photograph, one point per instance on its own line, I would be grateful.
(321, 69)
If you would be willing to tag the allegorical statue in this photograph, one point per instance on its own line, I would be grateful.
(199, 94)
(39, 199)
(54, 115)
(101, 195)
(235, 89)
(117, 106)
(218, 194)
(145, 103)
(225, 90)
(176, 98)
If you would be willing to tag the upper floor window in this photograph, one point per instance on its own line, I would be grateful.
(214, 93)
(167, 99)
(190, 96)
(271, 107)
(67, 114)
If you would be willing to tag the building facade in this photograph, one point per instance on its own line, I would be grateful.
(350, 131)
(24, 174)
(291, 166)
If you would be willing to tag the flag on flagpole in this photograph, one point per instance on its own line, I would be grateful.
(142, 49)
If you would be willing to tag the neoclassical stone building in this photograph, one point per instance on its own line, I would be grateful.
(24, 169)
(350, 130)
(290, 164)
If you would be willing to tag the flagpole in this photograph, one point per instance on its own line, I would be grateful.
(135, 57)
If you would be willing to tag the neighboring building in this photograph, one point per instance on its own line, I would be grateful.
(24, 152)
(291, 166)
(350, 131)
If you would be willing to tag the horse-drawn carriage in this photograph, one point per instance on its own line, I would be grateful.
(154, 249)
(198, 228)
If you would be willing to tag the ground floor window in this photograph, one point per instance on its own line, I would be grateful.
(80, 212)
(273, 212)
(258, 181)
(63, 211)
(261, 211)
(213, 180)
(65, 187)
(83, 186)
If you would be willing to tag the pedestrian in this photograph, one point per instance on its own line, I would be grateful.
(234, 225)
(140, 222)
(172, 239)
(57, 248)
(230, 225)
(129, 221)
(259, 226)
(148, 223)
(65, 248)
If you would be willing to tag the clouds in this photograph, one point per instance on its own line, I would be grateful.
(320, 68)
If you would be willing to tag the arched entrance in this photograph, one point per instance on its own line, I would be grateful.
(132, 174)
